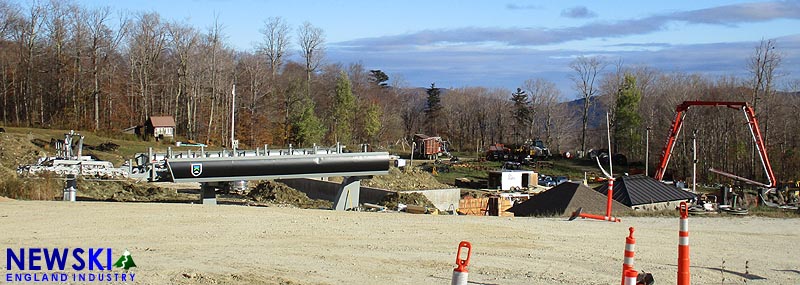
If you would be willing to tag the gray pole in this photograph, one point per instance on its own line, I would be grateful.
(647, 153)
(411, 164)
(233, 117)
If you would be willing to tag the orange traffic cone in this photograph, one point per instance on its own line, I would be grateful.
(460, 274)
(630, 277)
(627, 263)
(683, 246)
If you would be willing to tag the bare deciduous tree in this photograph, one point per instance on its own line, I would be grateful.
(545, 97)
(146, 43)
(762, 65)
(276, 43)
(101, 37)
(311, 40)
(184, 41)
(586, 71)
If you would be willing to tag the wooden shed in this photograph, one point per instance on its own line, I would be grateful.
(160, 127)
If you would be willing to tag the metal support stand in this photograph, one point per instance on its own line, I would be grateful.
(348, 196)
(70, 188)
(208, 195)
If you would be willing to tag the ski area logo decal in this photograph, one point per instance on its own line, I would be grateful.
(67, 265)
(197, 169)
(125, 261)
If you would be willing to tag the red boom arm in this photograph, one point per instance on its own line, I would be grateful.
(675, 130)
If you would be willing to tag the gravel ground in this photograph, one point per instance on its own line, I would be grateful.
(196, 244)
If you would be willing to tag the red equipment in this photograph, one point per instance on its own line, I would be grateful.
(751, 122)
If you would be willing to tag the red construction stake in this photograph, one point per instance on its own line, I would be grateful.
(683, 246)
(610, 196)
(580, 213)
(627, 263)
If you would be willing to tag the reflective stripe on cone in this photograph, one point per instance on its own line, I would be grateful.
(630, 277)
(630, 246)
(684, 275)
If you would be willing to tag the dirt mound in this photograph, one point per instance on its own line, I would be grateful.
(391, 200)
(106, 146)
(123, 191)
(36, 188)
(279, 193)
(17, 149)
(408, 179)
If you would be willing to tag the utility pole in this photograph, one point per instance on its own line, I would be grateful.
(647, 153)
(234, 142)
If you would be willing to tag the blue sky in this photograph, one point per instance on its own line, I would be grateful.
(503, 43)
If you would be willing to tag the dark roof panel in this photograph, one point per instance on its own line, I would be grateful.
(564, 199)
(639, 190)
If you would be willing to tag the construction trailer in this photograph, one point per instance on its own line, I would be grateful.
(512, 179)
(429, 147)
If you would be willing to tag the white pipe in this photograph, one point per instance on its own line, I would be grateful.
(755, 141)
(608, 132)
(694, 161)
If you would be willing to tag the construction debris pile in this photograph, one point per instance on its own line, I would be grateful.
(123, 191)
(392, 200)
(278, 193)
(16, 150)
(407, 179)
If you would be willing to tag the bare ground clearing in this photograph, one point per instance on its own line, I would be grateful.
(191, 244)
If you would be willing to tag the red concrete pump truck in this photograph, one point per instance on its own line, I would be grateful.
(752, 123)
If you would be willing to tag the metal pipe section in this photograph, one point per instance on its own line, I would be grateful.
(263, 168)
(736, 177)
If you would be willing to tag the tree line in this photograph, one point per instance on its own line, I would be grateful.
(67, 66)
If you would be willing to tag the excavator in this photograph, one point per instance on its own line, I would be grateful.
(752, 124)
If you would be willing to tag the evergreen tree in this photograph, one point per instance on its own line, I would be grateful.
(343, 109)
(378, 77)
(433, 109)
(307, 127)
(627, 122)
(521, 112)
(372, 122)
